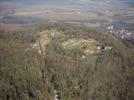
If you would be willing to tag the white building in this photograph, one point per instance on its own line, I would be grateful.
(108, 48)
(110, 27)
(57, 97)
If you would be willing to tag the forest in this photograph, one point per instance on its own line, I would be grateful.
(33, 70)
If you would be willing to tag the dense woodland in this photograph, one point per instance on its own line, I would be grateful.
(27, 75)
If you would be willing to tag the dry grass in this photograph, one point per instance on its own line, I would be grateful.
(44, 38)
(88, 47)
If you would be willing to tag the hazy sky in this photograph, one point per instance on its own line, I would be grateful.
(64, 1)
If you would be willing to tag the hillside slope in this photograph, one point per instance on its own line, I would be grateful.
(74, 71)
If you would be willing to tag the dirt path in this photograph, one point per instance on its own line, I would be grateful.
(44, 38)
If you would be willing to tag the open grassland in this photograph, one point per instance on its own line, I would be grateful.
(86, 46)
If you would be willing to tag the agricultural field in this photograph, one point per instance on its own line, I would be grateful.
(93, 13)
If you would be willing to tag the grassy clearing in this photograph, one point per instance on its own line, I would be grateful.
(88, 47)
(44, 38)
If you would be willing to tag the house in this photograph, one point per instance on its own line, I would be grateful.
(110, 27)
